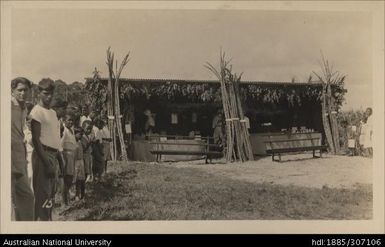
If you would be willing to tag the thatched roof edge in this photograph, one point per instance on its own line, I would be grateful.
(181, 81)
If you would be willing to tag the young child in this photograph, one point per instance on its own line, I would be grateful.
(106, 139)
(86, 141)
(69, 145)
(98, 151)
(80, 176)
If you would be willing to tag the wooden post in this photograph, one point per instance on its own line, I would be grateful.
(110, 109)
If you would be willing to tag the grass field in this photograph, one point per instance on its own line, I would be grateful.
(159, 192)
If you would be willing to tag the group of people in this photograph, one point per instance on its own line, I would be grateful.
(66, 153)
(361, 137)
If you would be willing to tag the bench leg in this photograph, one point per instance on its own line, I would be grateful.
(209, 159)
(320, 154)
(158, 158)
(279, 157)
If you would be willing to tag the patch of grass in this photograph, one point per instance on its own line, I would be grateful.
(156, 192)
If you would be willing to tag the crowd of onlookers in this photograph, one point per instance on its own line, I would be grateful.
(54, 153)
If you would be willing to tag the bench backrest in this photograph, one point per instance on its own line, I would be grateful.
(294, 141)
(176, 144)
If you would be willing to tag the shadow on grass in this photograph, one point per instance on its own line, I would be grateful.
(109, 187)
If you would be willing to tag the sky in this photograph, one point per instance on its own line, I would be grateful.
(68, 44)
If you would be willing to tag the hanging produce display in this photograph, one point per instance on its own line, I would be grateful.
(200, 92)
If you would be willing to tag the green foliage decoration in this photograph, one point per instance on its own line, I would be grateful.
(292, 95)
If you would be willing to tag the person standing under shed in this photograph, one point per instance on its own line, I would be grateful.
(247, 123)
(21, 193)
(45, 128)
(150, 123)
(217, 126)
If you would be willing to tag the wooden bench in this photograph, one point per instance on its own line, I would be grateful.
(287, 145)
(209, 151)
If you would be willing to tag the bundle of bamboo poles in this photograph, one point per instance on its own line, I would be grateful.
(113, 108)
(238, 147)
(110, 109)
(329, 118)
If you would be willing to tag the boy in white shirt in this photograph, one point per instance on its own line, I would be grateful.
(45, 128)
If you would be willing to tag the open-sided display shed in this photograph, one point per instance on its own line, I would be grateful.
(283, 104)
(270, 106)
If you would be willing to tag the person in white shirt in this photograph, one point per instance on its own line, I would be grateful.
(98, 159)
(45, 128)
(367, 133)
(247, 121)
(85, 116)
(106, 140)
(150, 123)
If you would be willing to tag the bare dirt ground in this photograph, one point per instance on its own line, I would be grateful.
(299, 169)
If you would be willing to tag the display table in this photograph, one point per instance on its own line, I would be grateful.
(258, 140)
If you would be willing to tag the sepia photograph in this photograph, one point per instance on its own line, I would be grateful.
(173, 116)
